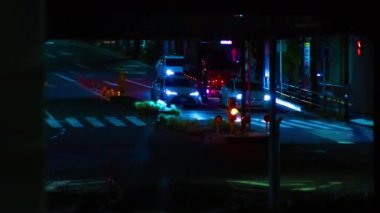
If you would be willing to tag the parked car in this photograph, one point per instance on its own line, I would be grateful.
(175, 89)
(258, 96)
(168, 65)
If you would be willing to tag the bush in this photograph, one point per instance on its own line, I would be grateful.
(152, 108)
(146, 107)
(224, 126)
(180, 124)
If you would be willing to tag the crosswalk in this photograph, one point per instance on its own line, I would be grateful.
(96, 122)
(303, 124)
(290, 122)
(128, 120)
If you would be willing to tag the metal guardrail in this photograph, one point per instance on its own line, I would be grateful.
(333, 98)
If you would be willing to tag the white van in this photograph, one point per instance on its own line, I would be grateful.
(170, 65)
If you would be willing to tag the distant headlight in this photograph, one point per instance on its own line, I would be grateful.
(266, 97)
(169, 72)
(238, 96)
(168, 92)
(196, 93)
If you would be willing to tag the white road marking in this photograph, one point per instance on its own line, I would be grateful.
(74, 122)
(84, 66)
(53, 123)
(95, 122)
(133, 82)
(64, 77)
(50, 55)
(115, 121)
(331, 125)
(257, 123)
(281, 124)
(295, 125)
(111, 83)
(55, 184)
(135, 120)
(309, 124)
(345, 142)
(49, 115)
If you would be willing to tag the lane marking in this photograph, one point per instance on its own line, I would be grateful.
(295, 125)
(95, 122)
(345, 142)
(83, 66)
(111, 83)
(281, 124)
(64, 77)
(363, 121)
(93, 92)
(53, 123)
(309, 124)
(331, 125)
(115, 121)
(257, 123)
(74, 122)
(135, 120)
(49, 115)
(133, 82)
(50, 55)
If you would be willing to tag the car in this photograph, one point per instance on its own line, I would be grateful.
(214, 86)
(259, 97)
(175, 90)
(168, 65)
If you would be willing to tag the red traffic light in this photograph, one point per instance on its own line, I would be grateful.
(246, 119)
(232, 114)
(359, 47)
(218, 119)
(267, 118)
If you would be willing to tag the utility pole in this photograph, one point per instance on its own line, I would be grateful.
(243, 76)
(346, 76)
(280, 50)
(274, 145)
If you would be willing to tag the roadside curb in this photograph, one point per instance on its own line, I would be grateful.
(247, 138)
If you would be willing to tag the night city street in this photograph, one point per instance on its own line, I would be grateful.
(90, 136)
(189, 106)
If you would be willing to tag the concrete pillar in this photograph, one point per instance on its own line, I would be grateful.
(23, 150)
(165, 48)
(172, 47)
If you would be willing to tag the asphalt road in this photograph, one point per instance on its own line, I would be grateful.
(157, 168)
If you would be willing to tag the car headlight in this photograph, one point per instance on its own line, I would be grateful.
(238, 96)
(196, 93)
(266, 97)
(169, 72)
(168, 92)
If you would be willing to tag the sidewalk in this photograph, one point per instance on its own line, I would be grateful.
(354, 118)
(361, 119)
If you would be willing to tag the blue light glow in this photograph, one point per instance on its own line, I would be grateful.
(345, 142)
(307, 54)
(266, 97)
(289, 105)
(319, 74)
(169, 72)
(168, 92)
(196, 93)
(226, 42)
(238, 96)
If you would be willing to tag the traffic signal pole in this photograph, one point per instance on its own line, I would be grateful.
(243, 76)
(274, 145)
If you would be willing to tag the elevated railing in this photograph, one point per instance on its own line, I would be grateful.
(329, 97)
